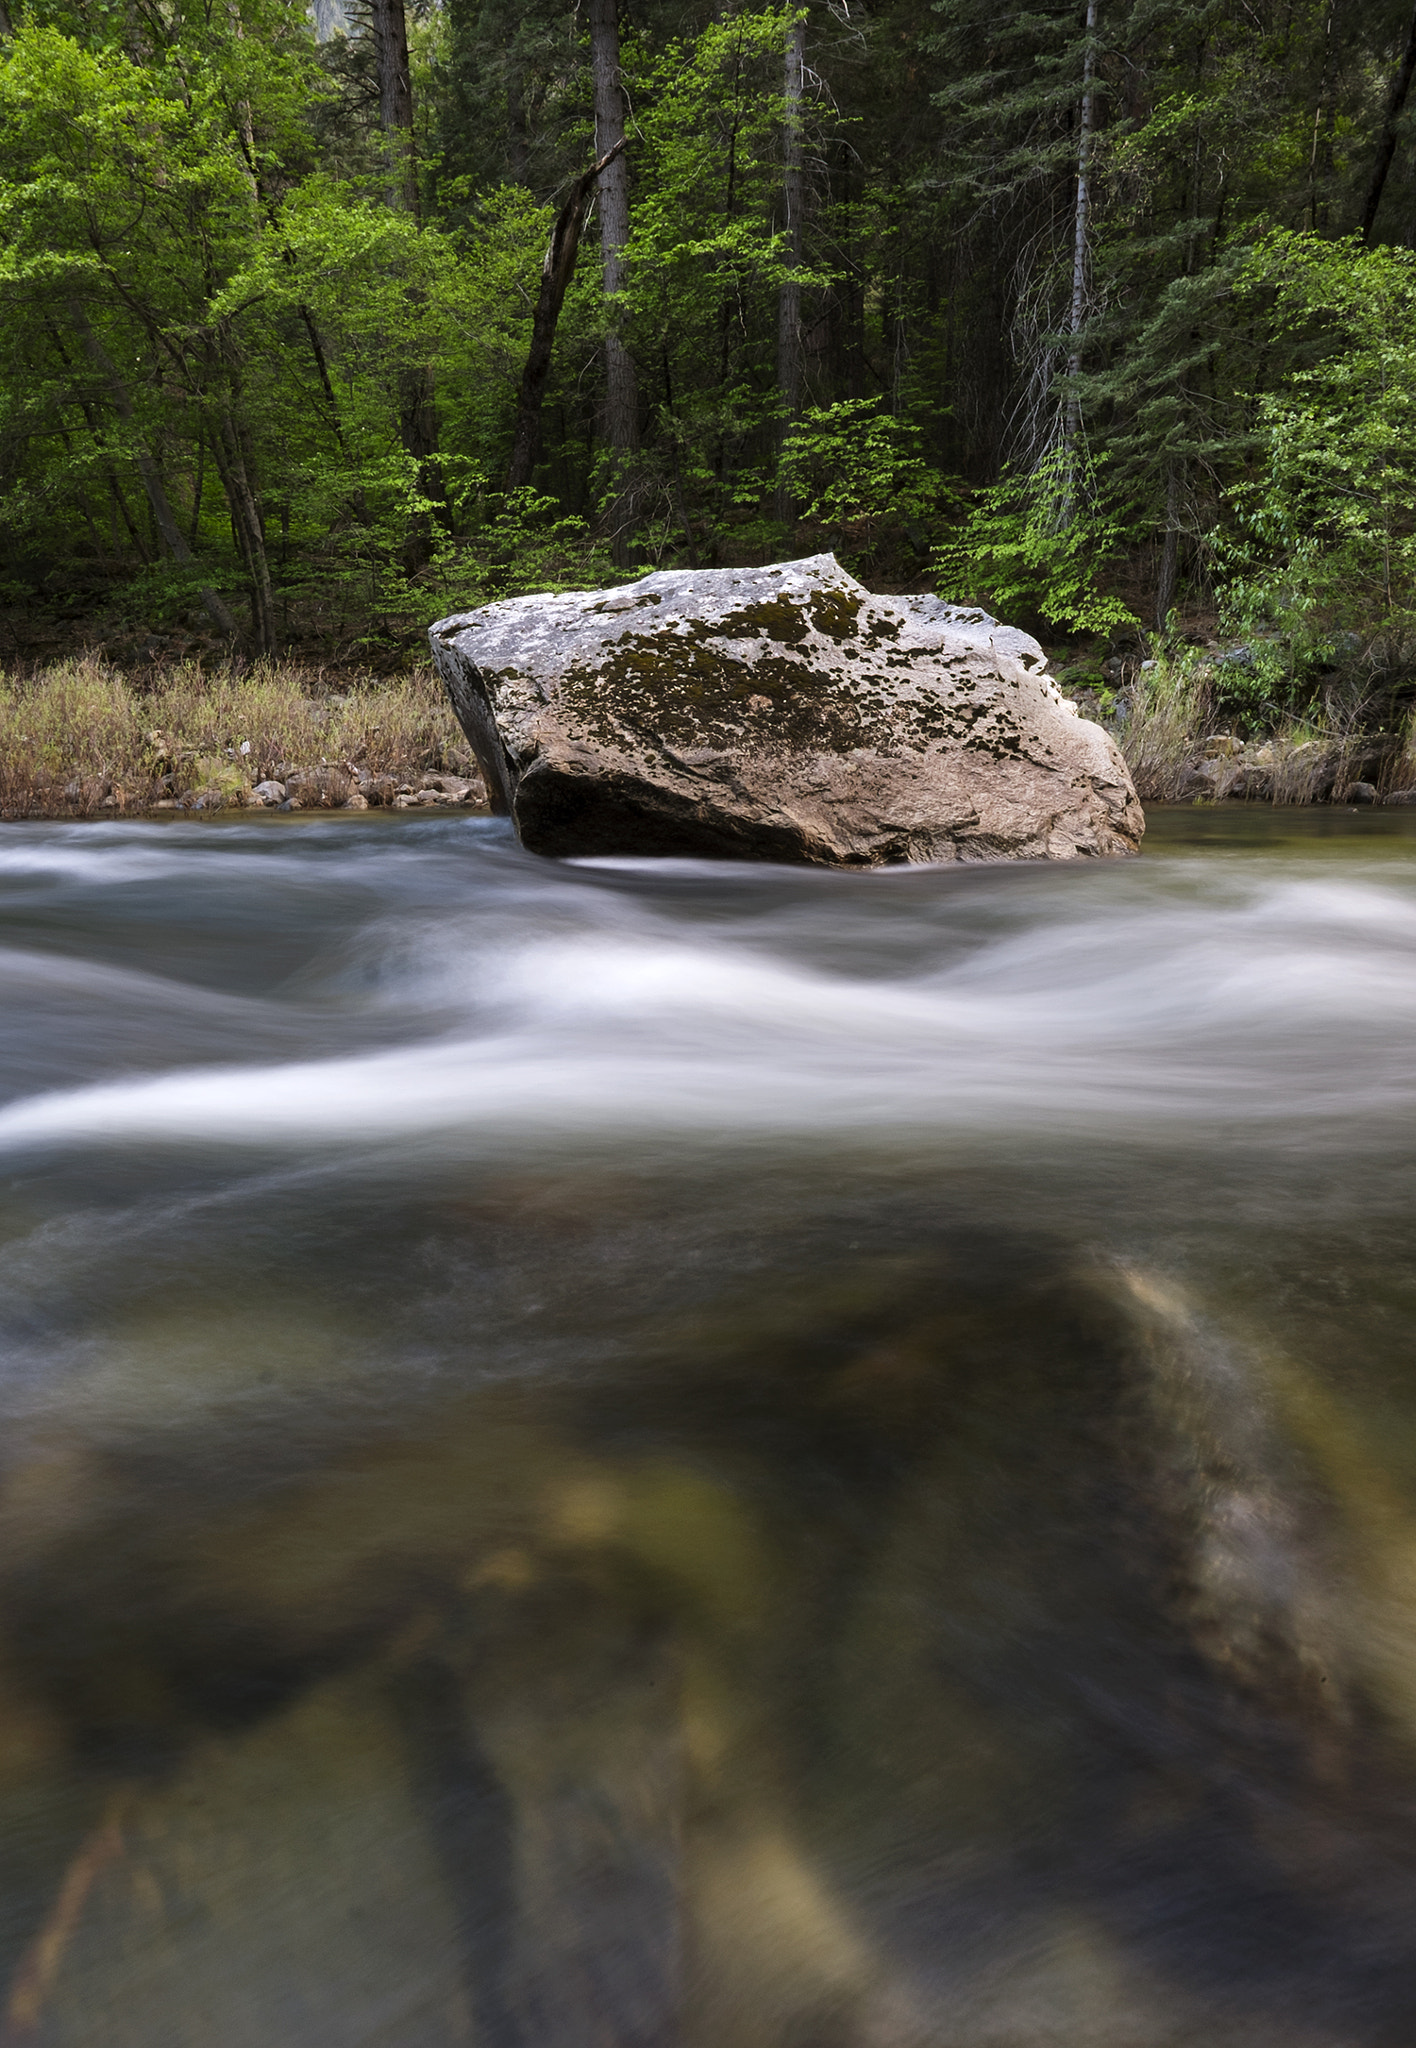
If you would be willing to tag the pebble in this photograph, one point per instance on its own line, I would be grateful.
(285, 791)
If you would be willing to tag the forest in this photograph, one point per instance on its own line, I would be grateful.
(315, 325)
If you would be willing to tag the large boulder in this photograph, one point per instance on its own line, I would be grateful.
(780, 714)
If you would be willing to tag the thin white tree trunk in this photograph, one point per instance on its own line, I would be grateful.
(1081, 233)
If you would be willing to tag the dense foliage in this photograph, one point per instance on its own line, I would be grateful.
(1100, 310)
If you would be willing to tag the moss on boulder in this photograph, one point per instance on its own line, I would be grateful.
(782, 714)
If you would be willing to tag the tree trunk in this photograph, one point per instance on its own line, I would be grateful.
(418, 431)
(1320, 109)
(228, 447)
(1386, 146)
(621, 390)
(1170, 548)
(518, 138)
(673, 432)
(417, 417)
(396, 100)
(1086, 127)
(118, 503)
(789, 291)
(198, 488)
(556, 273)
(266, 208)
(164, 518)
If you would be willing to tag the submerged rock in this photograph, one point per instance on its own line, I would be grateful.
(779, 714)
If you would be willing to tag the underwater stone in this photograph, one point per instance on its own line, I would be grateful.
(783, 714)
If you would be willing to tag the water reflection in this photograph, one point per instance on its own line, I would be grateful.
(621, 1455)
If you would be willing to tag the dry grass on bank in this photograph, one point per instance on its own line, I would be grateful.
(1176, 751)
(78, 739)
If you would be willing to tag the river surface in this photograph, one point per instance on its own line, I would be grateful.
(622, 1454)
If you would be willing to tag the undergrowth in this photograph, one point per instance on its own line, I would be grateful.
(1184, 735)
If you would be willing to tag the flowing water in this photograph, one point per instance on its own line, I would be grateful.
(611, 1455)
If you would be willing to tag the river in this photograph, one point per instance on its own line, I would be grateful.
(620, 1454)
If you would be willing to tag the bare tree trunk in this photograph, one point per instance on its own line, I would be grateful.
(1386, 147)
(246, 523)
(556, 273)
(390, 27)
(621, 388)
(1086, 127)
(230, 449)
(173, 537)
(120, 503)
(789, 291)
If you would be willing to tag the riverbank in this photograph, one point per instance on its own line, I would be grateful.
(82, 739)
(1294, 764)
(79, 739)
(1215, 725)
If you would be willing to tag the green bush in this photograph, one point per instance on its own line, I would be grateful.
(1035, 546)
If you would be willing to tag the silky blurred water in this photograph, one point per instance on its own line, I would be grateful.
(626, 1452)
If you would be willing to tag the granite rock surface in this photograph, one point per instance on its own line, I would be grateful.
(783, 714)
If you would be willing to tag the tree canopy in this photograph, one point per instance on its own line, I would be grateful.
(1096, 310)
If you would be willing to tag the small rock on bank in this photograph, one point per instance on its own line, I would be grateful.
(781, 714)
